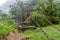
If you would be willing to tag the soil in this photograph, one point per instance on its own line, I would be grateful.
(15, 36)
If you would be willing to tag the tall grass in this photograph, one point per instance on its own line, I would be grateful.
(6, 26)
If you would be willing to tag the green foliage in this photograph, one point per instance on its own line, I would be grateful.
(42, 9)
(37, 34)
(17, 9)
(50, 9)
(37, 17)
(34, 34)
(6, 26)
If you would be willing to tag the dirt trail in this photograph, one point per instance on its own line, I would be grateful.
(15, 36)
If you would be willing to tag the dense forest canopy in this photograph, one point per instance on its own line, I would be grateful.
(48, 11)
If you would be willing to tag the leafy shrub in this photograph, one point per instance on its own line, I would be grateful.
(6, 26)
(39, 18)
